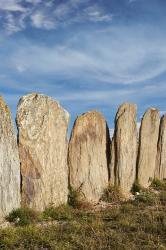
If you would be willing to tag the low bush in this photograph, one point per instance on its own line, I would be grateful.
(158, 184)
(23, 216)
(112, 194)
(76, 198)
(137, 187)
(149, 198)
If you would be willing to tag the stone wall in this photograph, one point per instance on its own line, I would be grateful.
(42, 166)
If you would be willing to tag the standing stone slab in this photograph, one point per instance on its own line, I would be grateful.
(125, 147)
(9, 163)
(147, 152)
(42, 126)
(89, 150)
(161, 151)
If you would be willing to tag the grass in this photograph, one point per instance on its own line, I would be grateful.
(138, 224)
(61, 213)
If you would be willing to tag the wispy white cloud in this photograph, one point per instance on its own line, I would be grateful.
(33, 1)
(95, 96)
(40, 20)
(20, 68)
(69, 12)
(13, 23)
(13, 15)
(97, 14)
(12, 5)
(102, 57)
(49, 15)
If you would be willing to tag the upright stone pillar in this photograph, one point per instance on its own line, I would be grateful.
(9, 163)
(125, 147)
(88, 158)
(42, 125)
(147, 152)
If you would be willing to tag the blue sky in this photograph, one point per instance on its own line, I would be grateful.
(86, 54)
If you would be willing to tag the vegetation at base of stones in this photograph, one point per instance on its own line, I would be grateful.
(158, 184)
(23, 216)
(137, 188)
(62, 212)
(155, 195)
(27, 216)
(112, 194)
(76, 199)
(127, 225)
(148, 198)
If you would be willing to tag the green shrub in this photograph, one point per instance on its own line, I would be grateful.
(22, 216)
(148, 198)
(158, 184)
(75, 198)
(62, 212)
(136, 187)
(112, 194)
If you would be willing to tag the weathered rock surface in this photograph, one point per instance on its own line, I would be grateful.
(42, 125)
(148, 146)
(9, 163)
(89, 150)
(125, 147)
(161, 151)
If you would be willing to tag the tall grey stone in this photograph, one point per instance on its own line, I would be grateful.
(89, 150)
(9, 163)
(161, 151)
(125, 147)
(42, 125)
(147, 152)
